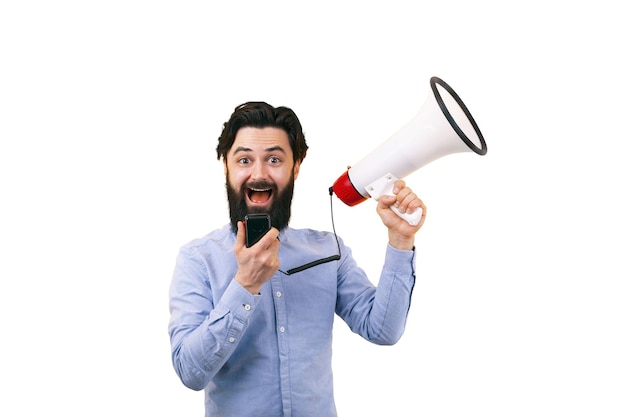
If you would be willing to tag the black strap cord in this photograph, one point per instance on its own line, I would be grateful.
(323, 260)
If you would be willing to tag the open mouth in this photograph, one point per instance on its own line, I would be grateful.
(259, 195)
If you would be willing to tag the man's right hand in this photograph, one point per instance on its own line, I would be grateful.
(258, 263)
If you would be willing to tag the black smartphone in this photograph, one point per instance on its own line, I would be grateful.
(256, 225)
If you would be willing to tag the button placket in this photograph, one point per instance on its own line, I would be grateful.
(280, 310)
(279, 307)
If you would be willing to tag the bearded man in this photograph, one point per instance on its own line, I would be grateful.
(252, 326)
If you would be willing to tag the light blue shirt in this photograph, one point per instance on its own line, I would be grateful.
(269, 355)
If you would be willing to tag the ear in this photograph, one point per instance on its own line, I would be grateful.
(296, 170)
(225, 167)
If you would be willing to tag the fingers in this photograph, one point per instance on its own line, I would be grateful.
(270, 239)
(406, 201)
(257, 263)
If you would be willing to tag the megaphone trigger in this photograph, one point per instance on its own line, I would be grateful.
(384, 186)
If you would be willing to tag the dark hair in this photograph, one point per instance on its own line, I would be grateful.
(260, 114)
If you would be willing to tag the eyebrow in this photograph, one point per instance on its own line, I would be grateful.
(270, 149)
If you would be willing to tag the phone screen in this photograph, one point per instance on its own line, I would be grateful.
(256, 226)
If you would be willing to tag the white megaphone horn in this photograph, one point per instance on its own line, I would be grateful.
(443, 126)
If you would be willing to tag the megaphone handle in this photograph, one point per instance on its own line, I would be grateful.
(384, 186)
(413, 219)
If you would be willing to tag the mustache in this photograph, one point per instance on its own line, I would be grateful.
(279, 210)
(259, 185)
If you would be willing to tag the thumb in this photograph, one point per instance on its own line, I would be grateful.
(387, 200)
(241, 234)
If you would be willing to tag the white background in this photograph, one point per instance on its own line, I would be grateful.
(109, 117)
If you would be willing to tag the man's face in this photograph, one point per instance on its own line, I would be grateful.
(260, 174)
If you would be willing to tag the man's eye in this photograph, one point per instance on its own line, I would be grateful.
(244, 160)
(274, 159)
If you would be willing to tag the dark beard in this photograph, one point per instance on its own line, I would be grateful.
(280, 210)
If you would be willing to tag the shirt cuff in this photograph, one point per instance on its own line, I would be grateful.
(239, 301)
(400, 261)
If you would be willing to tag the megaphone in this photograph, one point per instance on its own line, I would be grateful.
(443, 126)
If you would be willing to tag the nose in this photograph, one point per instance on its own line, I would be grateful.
(259, 172)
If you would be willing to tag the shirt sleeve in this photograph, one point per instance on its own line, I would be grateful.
(203, 335)
(377, 313)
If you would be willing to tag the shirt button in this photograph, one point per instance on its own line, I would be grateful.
(231, 339)
(281, 329)
(279, 294)
(247, 307)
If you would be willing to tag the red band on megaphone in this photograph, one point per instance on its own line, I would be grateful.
(346, 192)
